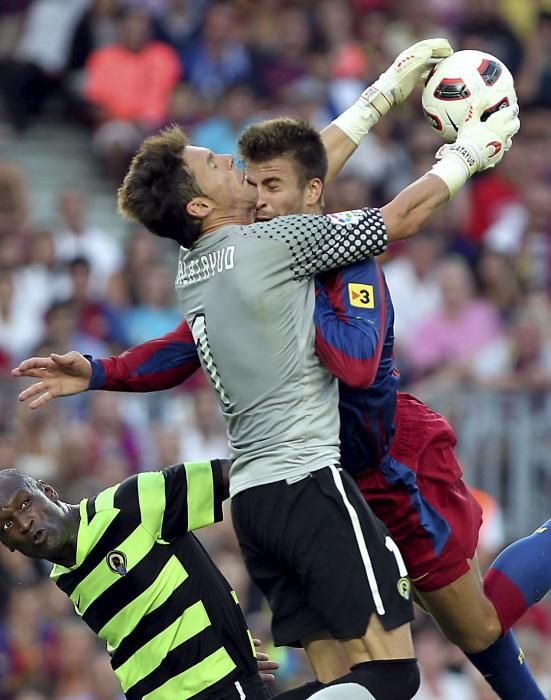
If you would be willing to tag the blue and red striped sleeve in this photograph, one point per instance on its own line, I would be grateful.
(159, 364)
(350, 317)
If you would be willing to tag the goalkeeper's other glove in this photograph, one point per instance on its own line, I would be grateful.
(392, 87)
(479, 146)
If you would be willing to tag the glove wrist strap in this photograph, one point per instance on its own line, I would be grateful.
(454, 170)
(359, 119)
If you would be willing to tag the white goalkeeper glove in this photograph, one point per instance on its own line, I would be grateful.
(392, 87)
(479, 146)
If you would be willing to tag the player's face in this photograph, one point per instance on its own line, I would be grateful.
(31, 520)
(279, 191)
(220, 179)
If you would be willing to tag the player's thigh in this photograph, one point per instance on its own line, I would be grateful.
(463, 612)
(428, 509)
(378, 644)
(268, 529)
(327, 657)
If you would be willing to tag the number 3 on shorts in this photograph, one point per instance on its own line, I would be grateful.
(199, 330)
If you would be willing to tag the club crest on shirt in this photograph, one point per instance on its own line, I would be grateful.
(116, 561)
(404, 587)
(361, 295)
(347, 217)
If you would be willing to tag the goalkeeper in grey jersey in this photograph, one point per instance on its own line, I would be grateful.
(247, 293)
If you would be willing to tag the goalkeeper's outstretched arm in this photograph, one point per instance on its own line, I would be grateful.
(392, 87)
(479, 146)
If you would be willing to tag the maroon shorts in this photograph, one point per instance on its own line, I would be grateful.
(419, 494)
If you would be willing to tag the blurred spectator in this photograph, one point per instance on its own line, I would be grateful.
(113, 435)
(13, 200)
(521, 359)
(499, 282)
(208, 437)
(284, 61)
(307, 99)
(486, 25)
(179, 23)
(185, 107)
(36, 68)
(412, 276)
(129, 83)
(347, 192)
(95, 317)
(106, 685)
(451, 336)
(155, 312)
(76, 238)
(217, 59)
(30, 645)
(96, 29)
(534, 84)
(220, 132)
(38, 442)
(141, 249)
(61, 333)
(437, 681)
(534, 250)
(75, 680)
(42, 280)
(20, 328)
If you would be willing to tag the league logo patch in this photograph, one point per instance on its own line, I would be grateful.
(404, 588)
(347, 217)
(116, 561)
(361, 295)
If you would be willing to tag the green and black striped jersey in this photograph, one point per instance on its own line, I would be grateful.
(145, 585)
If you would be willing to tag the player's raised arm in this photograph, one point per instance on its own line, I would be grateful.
(479, 146)
(319, 243)
(158, 364)
(410, 68)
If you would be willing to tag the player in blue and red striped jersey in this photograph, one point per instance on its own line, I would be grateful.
(400, 452)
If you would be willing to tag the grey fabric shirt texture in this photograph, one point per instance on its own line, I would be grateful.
(248, 295)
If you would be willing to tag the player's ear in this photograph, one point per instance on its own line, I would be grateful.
(199, 207)
(50, 492)
(314, 192)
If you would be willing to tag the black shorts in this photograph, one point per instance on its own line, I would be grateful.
(321, 558)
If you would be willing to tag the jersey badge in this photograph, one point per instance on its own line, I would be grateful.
(116, 561)
(361, 295)
(347, 217)
(404, 587)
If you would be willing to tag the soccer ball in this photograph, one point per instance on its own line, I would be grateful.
(457, 81)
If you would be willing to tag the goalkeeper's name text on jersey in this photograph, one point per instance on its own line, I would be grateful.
(205, 266)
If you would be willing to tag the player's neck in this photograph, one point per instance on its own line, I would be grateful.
(218, 219)
(67, 553)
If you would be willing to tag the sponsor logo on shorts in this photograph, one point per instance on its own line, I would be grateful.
(347, 217)
(361, 295)
(520, 657)
(116, 561)
(404, 587)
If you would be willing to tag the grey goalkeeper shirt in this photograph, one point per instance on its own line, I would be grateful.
(248, 295)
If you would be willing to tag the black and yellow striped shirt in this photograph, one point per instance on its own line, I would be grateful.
(147, 587)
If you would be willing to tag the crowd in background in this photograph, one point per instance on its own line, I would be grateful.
(471, 292)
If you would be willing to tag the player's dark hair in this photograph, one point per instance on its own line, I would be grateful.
(159, 185)
(14, 474)
(284, 137)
